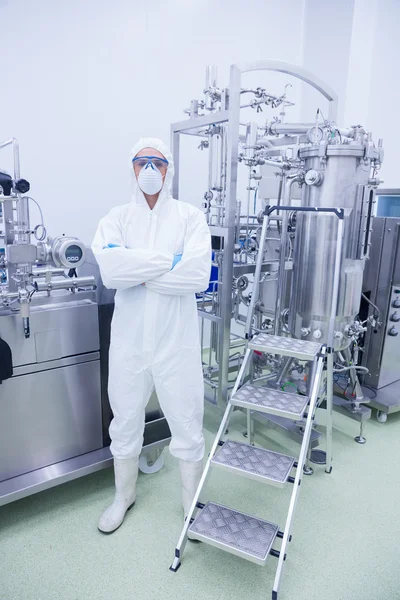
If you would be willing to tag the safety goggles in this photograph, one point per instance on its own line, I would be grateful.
(153, 161)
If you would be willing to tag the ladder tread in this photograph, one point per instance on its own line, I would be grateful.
(285, 346)
(235, 532)
(257, 463)
(268, 400)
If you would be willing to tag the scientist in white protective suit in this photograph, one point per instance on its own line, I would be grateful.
(156, 252)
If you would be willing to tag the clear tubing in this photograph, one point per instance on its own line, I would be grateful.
(15, 145)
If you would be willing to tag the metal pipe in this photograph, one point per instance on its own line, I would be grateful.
(250, 430)
(44, 272)
(65, 284)
(211, 76)
(251, 136)
(289, 128)
(296, 71)
(226, 272)
(211, 82)
(372, 304)
(329, 409)
(336, 281)
(282, 257)
(329, 383)
(284, 371)
(248, 211)
(281, 274)
(275, 163)
(278, 201)
(222, 182)
(257, 275)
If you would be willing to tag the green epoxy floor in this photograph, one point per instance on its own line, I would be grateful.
(345, 537)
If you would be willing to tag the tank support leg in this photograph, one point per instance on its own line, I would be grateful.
(329, 408)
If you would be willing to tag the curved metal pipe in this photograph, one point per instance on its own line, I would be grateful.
(281, 66)
(275, 163)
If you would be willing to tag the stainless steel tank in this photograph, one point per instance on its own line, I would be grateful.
(338, 179)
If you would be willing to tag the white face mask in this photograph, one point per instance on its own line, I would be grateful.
(150, 180)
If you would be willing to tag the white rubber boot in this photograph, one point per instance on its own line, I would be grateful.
(191, 473)
(126, 473)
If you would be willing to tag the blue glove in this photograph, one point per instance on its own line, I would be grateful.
(177, 258)
(112, 246)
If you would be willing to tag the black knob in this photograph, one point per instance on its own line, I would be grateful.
(22, 185)
(393, 331)
(6, 183)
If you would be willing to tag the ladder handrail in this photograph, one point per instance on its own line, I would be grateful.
(317, 372)
(268, 210)
(301, 463)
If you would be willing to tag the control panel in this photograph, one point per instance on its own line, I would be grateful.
(391, 347)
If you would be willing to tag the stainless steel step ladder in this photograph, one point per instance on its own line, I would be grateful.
(236, 532)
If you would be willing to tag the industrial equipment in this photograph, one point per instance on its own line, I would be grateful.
(54, 331)
(302, 335)
(381, 301)
(317, 166)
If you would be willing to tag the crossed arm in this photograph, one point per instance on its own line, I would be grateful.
(122, 268)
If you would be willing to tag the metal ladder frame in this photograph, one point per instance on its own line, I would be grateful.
(324, 356)
(318, 366)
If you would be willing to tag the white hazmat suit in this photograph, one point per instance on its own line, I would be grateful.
(154, 332)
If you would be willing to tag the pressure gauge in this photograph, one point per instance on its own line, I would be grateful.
(314, 135)
(67, 252)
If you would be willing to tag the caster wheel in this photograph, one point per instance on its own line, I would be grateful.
(151, 463)
(308, 470)
(381, 416)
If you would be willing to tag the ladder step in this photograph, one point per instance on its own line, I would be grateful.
(235, 532)
(255, 463)
(273, 402)
(285, 346)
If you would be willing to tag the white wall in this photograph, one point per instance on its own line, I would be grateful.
(354, 46)
(373, 90)
(84, 79)
(327, 34)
